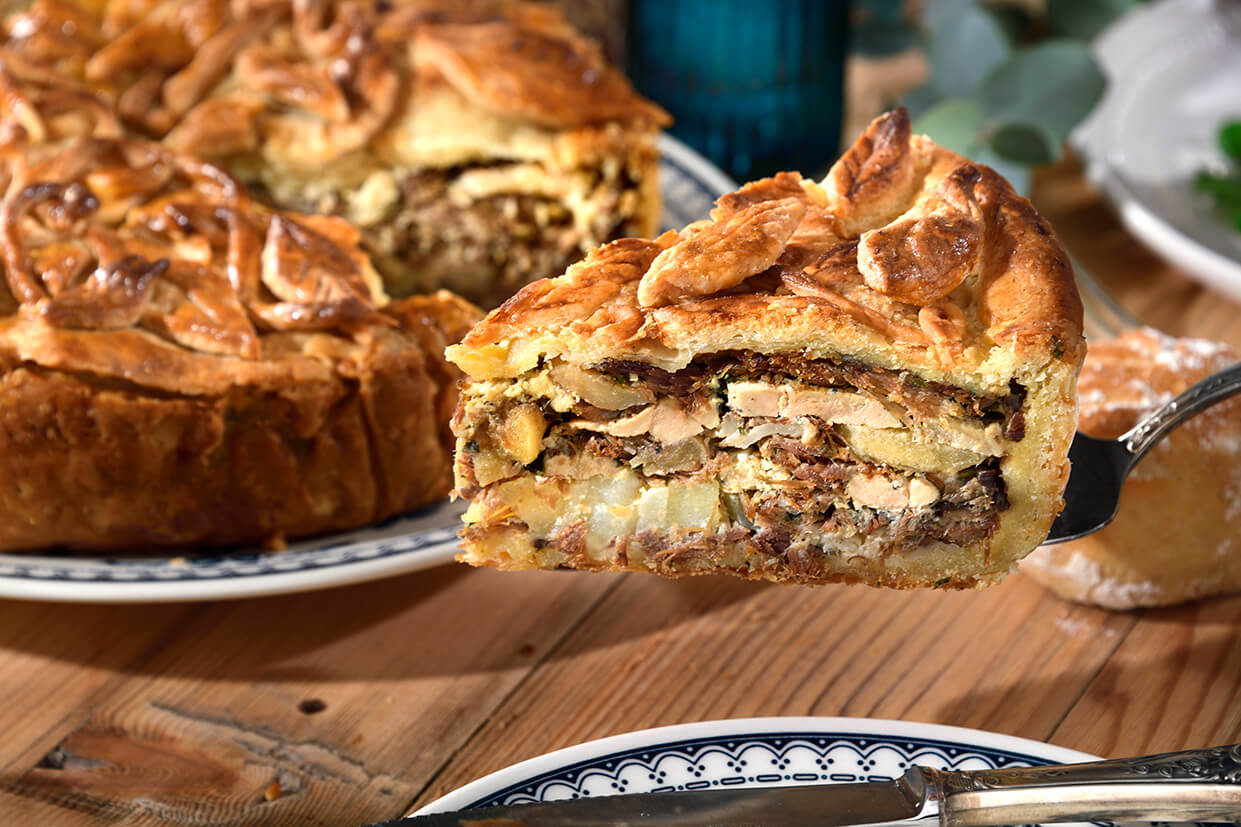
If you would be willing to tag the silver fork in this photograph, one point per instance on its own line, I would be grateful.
(1099, 466)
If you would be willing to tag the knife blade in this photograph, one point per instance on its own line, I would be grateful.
(903, 801)
(1194, 785)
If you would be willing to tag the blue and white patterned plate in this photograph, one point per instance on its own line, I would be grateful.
(414, 541)
(689, 184)
(749, 752)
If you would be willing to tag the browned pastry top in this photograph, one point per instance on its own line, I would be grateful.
(124, 260)
(222, 77)
(906, 254)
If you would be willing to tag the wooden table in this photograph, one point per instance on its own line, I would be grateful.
(354, 704)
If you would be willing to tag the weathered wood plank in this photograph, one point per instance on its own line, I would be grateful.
(1174, 682)
(333, 707)
(56, 659)
(1011, 658)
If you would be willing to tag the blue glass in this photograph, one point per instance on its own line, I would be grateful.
(755, 86)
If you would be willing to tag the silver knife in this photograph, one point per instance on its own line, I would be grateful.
(1197, 785)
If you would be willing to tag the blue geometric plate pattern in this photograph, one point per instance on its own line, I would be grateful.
(754, 752)
(689, 185)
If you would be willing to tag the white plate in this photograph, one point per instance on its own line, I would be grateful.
(1174, 76)
(749, 752)
(689, 184)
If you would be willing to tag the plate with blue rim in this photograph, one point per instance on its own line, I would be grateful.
(749, 752)
(689, 185)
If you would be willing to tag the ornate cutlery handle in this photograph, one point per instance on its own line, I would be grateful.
(1215, 388)
(1197, 785)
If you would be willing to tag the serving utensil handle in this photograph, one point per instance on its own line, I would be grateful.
(1215, 388)
(1195, 785)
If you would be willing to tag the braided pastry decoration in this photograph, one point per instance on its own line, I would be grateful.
(112, 233)
(219, 78)
(892, 264)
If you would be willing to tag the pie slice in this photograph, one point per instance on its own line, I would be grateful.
(868, 379)
(477, 145)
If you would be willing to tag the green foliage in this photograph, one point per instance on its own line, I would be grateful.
(1015, 172)
(954, 123)
(1026, 143)
(938, 14)
(1084, 19)
(1225, 190)
(1004, 101)
(1051, 86)
(968, 46)
(1230, 139)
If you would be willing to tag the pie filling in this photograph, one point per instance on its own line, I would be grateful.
(779, 454)
(482, 230)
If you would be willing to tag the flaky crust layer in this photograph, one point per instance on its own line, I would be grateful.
(733, 552)
(97, 465)
(1175, 536)
(333, 75)
(906, 257)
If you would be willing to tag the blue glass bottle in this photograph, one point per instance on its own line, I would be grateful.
(755, 86)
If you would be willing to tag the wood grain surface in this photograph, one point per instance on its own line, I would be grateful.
(354, 704)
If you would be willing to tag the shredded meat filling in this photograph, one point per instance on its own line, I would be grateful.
(511, 238)
(821, 486)
(967, 512)
(925, 399)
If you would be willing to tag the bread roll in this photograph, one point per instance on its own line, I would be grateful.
(1177, 536)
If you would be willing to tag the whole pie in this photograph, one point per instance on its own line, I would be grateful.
(865, 379)
(184, 360)
(181, 366)
(476, 145)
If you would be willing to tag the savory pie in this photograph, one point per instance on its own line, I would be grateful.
(476, 145)
(869, 379)
(180, 366)
(1176, 535)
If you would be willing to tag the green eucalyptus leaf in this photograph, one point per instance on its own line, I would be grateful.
(936, 14)
(1016, 21)
(1084, 19)
(953, 123)
(1026, 143)
(965, 50)
(1017, 174)
(1053, 84)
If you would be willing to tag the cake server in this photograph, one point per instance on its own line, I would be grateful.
(1197, 785)
(1099, 466)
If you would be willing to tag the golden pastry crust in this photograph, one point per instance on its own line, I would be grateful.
(477, 144)
(182, 367)
(909, 261)
(1175, 536)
